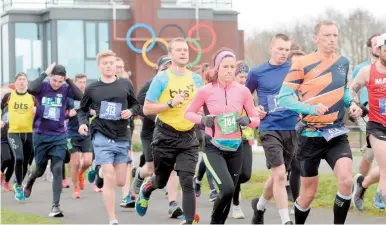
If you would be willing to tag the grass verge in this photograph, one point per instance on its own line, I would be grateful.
(324, 199)
(11, 217)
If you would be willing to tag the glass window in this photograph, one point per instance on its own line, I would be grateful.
(28, 49)
(103, 35)
(71, 46)
(92, 70)
(91, 50)
(48, 38)
(5, 55)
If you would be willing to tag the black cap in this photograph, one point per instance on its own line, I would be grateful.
(59, 70)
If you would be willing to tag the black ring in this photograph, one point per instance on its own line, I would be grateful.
(166, 26)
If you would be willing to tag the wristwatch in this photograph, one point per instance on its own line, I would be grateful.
(170, 103)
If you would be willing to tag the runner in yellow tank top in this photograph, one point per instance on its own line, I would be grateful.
(20, 113)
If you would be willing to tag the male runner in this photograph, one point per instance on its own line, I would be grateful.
(175, 146)
(320, 79)
(277, 128)
(148, 126)
(374, 78)
(368, 155)
(79, 146)
(49, 134)
(114, 102)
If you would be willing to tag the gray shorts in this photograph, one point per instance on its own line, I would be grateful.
(108, 151)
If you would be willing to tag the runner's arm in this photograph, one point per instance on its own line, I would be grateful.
(250, 109)
(134, 106)
(192, 111)
(150, 106)
(141, 99)
(74, 92)
(251, 82)
(358, 83)
(84, 107)
(4, 101)
(288, 90)
(35, 85)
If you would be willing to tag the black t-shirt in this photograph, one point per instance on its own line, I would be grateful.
(119, 92)
(148, 124)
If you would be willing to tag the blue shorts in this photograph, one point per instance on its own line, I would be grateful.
(46, 146)
(108, 151)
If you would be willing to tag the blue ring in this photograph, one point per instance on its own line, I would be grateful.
(128, 37)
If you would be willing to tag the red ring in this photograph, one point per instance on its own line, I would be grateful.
(214, 37)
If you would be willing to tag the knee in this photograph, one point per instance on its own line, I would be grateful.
(228, 190)
(87, 161)
(345, 182)
(121, 182)
(245, 177)
(186, 181)
(279, 175)
(309, 194)
(56, 169)
(19, 160)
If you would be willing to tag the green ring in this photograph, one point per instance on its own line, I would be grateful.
(199, 55)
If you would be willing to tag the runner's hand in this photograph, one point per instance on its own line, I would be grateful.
(126, 114)
(72, 113)
(50, 68)
(261, 112)
(208, 121)
(2, 123)
(355, 110)
(243, 121)
(321, 109)
(83, 129)
(92, 112)
(178, 99)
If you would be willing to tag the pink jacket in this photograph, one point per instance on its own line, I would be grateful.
(219, 100)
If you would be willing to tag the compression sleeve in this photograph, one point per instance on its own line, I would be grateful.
(35, 85)
(191, 112)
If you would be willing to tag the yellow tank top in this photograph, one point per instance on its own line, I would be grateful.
(20, 113)
(174, 117)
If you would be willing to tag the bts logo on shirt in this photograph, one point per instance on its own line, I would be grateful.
(187, 91)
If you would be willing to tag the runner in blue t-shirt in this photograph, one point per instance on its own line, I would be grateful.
(277, 128)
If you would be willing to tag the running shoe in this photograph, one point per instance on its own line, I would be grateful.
(91, 175)
(128, 201)
(134, 171)
(195, 221)
(81, 181)
(113, 222)
(142, 202)
(65, 183)
(237, 212)
(27, 191)
(96, 189)
(137, 182)
(213, 195)
(166, 190)
(76, 192)
(258, 215)
(175, 210)
(7, 187)
(378, 201)
(19, 194)
(99, 178)
(358, 193)
(197, 186)
(56, 212)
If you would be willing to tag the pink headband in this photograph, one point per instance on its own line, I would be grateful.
(220, 56)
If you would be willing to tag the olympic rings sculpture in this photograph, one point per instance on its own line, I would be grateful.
(150, 43)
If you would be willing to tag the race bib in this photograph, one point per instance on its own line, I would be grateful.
(110, 110)
(382, 106)
(273, 104)
(227, 122)
(76, 104)
(51, 113)
(332, 132)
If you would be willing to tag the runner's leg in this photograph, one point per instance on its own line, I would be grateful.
(16, 144)
(380, 157)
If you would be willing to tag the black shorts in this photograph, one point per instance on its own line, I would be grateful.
(79, 144)
(174, 150)
(375, 129)
(46, 146)
(279, 147)
(313, 149)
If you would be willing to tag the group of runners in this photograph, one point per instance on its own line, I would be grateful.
(301, 102)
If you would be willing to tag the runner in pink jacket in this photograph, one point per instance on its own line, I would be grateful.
(223, 101)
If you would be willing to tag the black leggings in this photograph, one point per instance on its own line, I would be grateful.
(225, 168)
(294, 178)
(21, 144)
(7, 161)
(56, 169)
(142, 160)
(246, 170)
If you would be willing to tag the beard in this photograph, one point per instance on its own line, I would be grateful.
(382, 61)
(374, 54)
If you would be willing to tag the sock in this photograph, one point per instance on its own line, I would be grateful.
(171, 203)
(139, 175)
(301, 214)
(262, 203)
(100, 174)
(341, 207)
(284, 215)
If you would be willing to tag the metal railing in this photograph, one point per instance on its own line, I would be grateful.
(215, 4)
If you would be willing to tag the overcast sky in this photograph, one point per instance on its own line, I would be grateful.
(265, 14)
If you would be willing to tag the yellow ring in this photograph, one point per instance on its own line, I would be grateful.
(144, 47)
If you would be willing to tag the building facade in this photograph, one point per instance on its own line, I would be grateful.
(72, 32)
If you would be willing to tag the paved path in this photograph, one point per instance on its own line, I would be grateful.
(90, 210)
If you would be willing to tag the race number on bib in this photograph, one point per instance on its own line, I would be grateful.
(110, 110)
(382, 106)
(332, 132)
(51, 113)
(227, 122)
(76, 104)
(273, 103)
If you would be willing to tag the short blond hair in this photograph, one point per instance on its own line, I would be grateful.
(105, 54)
(178, 39)
(323, 23)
